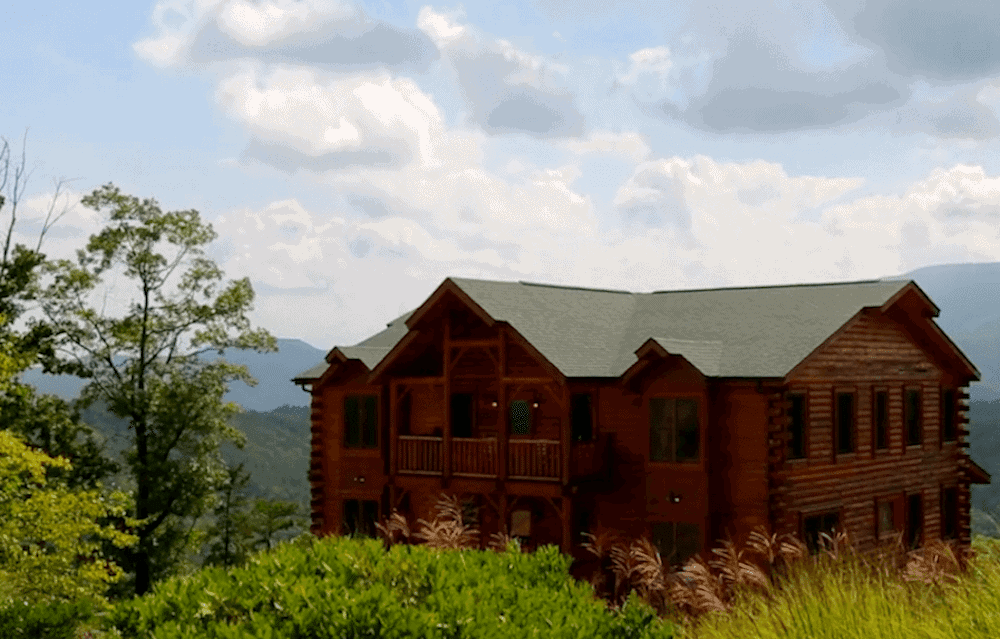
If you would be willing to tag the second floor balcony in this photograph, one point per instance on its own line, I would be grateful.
(532, 459)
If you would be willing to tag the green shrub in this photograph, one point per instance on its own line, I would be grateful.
(353, 588)
(56, 620)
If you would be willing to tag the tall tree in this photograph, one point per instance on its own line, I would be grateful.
(144, 365)
(43, 421)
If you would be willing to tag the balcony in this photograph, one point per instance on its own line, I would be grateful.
(472, 457)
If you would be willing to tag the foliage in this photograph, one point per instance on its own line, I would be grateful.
(341, 587)
(270, 518)
(231, 533)
(54, 620)
(145, 367)
(50, 534)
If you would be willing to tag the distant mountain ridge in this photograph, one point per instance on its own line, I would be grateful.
(273, 372)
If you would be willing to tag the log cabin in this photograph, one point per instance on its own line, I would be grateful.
(682, 416)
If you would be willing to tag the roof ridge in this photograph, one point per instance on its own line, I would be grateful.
(744, 288)
(576, 288)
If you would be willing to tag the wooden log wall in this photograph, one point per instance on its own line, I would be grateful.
(875, 353)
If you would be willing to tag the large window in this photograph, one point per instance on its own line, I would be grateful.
(913, 425)
(676, 541)
(361, 421)
(881, 416)
(948, 415)
(888, 517)
(360, 517)
(582, 418)
(797, 427)
(949, 512)
(520, 417)
(812, 526)
(673, 429)
(845, 422)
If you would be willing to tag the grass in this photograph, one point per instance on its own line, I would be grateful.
(772, 588)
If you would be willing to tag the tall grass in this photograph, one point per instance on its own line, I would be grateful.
(772, 588)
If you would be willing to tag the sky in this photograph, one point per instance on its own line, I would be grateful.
(352, 155)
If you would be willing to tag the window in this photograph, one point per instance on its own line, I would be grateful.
(881, 415)
(914, 519)
(582, 419)
(360, 517)
(461, 414)
(949, 512)
(520, 417)
(520, 524)
(913, 418)
(814, 525)
(673, 429)
(582, 524)
(948, 415)
(845, 422)
(361, 421)
(888, 517)
(676, 541)
(797, 427)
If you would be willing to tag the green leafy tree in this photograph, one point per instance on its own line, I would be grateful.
(145, 365)
(271, 518)
(50, 534)
(44, 421)
(231, 534)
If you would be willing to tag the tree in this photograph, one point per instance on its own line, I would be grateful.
(50, 534)
(232, 530)
(145, 365)
(44, 421)
(273, 517)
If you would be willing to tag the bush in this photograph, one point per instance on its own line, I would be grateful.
(345, 588)
(57, 620)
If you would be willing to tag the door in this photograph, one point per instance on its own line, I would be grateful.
(461, 414)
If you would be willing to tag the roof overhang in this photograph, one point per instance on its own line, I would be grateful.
(976, 473)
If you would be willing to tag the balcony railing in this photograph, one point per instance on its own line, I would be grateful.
(526, 458)
(420, 455)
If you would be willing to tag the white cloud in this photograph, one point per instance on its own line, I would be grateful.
(631, 145)
(319, 114)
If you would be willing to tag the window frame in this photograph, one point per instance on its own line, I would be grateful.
(803, 423)
(894, 503)
(852, 427)
(357, 425)
(915, 532)
(914, 413)
(363, 507)
(673, 429)
(813, 544)
(880, 423)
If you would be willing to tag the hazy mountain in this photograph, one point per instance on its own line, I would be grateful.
(273, 372)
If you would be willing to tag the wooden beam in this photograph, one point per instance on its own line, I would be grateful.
(446, 452)
(417, 381)
(393, 428)
(492, 342)
(566, 435)
(504, 434)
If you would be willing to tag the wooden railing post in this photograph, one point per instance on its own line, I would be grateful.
(566, 433)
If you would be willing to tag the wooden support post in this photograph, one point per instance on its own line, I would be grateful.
(566, 433)
(504, 434)
(567, 531)
(393, 429)
(446, 453)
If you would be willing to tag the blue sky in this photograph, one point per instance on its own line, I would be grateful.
(351, 155)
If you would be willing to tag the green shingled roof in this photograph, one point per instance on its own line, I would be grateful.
(731, 332)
